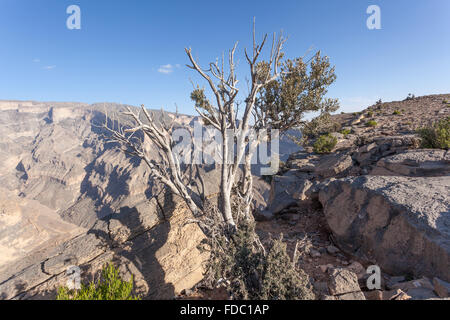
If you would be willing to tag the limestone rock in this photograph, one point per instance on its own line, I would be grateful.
(333, 164)
(403, 223)
(442, 288)
(342, 281)
(415, 163)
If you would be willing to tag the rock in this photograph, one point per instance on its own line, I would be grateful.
(321, 288)
(342, 281)
(332, 250)
(357, 268)
(324, 268)
(403, 223)
(358, 119)
(395, 295)
(358, 295)
(263, 215)
(333, 164)
(314, 253)
(391, 281)
(419, 283)
(420, 289)
(187, 292)
(281, 193)
(415, 163)
(442, 288)
(374, 295)
(421, 294)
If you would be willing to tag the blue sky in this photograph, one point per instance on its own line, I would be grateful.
(133, 51)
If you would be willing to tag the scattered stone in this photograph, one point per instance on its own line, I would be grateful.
(358, 295)
(357, 268)
(374, 295)
(314, 253)
(391, 281)
(342, 281)
(442, 288)
(322, 250)
(332, 250)
(414, 284)
(324, 268)
(187, 292)
(421, 294)
(321, 288)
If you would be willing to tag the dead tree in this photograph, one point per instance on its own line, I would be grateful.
(222, 114)
(159, 133)
(278, 96)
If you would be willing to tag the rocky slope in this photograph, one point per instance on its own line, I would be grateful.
(69, 198)
(383, 200)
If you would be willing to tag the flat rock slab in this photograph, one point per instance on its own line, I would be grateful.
(403, 223)
(417, 163)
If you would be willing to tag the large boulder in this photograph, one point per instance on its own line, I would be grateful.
(401, 223)
(286, 191)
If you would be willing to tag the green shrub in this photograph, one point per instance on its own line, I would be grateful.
(250, 274)
(346, 132)
(325, 144)
(445, 101)
(371, 123)
(436, 136)
(110, 287)
(281, 279)
(370, 114)
(396, 113)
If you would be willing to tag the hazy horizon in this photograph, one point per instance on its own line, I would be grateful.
(133, 52)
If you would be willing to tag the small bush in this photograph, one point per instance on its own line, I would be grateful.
(370, 114)
(281, 279)
(397, 112)
(110, 287)
(250, 274)
(436, 136)
(371, 123)
(324, 144)
(345, 132)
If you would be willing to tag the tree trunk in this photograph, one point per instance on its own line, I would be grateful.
(226, 185)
